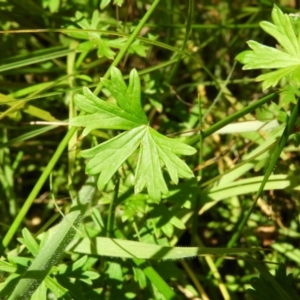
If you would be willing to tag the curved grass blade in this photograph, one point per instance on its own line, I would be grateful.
(27, 135)
(36, 59)
(54, 247)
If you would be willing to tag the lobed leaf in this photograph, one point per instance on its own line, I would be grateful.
(148, 171)
(156, 150)
(286, 58)
(109, 156)
(263, 57)
(282, 30)
(103, 49)
(272, 78)
(129, 99)
(174, 145)
(102, 114)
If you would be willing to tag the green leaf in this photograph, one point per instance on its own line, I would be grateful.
(272, 78)
(156, 150)
(87, 46)
(108, 156)
(102, 114)
(286, 58)
(140, 277)
(148, 171)
(156, 147)
(118, 2)
(131, 249)
(104, 3)
(104, 50)
(40, 293)
(264, 57)
(95, 39)
(29, 242)
(129, 98)
(7, 267)
(267, 286)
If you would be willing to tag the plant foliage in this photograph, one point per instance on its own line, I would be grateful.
(156, 150)
(117, 244)
(278, 287)
(285, 58)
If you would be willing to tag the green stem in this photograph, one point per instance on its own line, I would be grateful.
(273, 160)
(111, 211)
(190, 14)
(212, 129)
(128, 43)
(200, 159)
(36, 189)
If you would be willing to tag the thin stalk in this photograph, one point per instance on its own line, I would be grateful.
(200, 162)
(214, 271)
(212, 129)
(111, 211)
(273, 160)
(200, 159)
(190, 14)
(195, 280)
(130, 40)
(36, 189)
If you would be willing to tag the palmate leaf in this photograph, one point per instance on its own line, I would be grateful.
(286, 58)
(127, 98)
(156, 150)
(102, 114)
(107, 157)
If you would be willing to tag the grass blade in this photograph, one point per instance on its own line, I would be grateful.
(50, 254)
(130, 249)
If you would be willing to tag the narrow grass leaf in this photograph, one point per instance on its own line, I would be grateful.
(50, 254)
(244, 187)
(33, 60)
(103, 246)
(270, 167)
